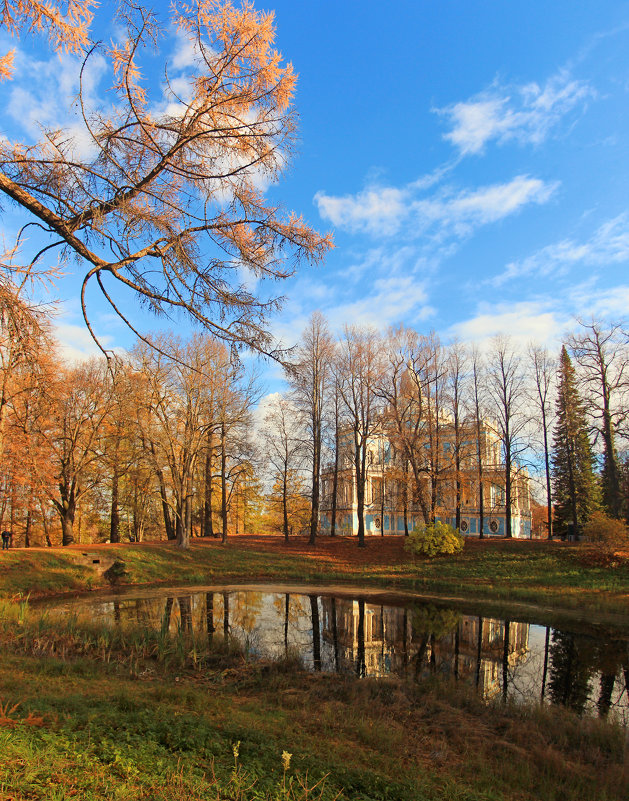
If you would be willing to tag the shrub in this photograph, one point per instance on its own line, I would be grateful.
(605, 535)
(434, 539)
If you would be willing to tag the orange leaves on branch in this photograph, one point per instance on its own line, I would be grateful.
(67, 25)
(169, 200)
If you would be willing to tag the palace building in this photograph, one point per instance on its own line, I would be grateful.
(392, 502)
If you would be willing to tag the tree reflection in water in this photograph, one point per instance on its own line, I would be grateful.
(506, 659)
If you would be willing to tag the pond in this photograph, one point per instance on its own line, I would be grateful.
(364, 634)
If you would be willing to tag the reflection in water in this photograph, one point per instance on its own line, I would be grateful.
(507, 659)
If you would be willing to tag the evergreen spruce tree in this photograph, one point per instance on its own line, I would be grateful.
(575, 485)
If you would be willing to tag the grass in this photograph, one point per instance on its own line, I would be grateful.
(550, 574)
(96, 714)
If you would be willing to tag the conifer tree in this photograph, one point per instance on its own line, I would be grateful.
(575, 485)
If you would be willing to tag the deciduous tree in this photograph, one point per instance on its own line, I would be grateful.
(309, 376)
(167, 200)
(544, 370)
(358, 368)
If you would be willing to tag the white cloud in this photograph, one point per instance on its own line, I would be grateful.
(44, 96)
(377, 210)
(526, 322)
(393, 299)
(75, 343)
(470, 209)
(606, 304)
(525, 114)
(608, 245)
(386, 211)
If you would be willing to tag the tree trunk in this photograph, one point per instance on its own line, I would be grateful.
(508, 488)
(27, 530)
(168, 522)
(360, 641)
(208, 523)
(361, 469)
(479, 650)
(285, 506)
(114, 528)
(505, 660)
(226, 616)
(223, 483)
(209, 617)
(316, 632)
(335, 635)
(185, 612)
(316, 481)
(549, 497)
(335, 482)
(545, 669)
(67, 512)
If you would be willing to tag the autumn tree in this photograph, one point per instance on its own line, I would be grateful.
(358, 368)
(309, 376)
(283, 446)
(71, 424)
(167, 203)
(196, 424)
(575, 487)
(119, 436)
(506, 383)
(544, 369)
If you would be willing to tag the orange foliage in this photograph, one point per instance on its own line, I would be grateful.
(66, 27)
(169, 203)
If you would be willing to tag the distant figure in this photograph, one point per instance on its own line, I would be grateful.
(6, 539)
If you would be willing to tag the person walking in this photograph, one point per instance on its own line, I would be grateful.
(6, 539)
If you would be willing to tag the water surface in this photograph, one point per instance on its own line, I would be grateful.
(510, 659)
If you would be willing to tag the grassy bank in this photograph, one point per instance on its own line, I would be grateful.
(548, 574)
(95, 713)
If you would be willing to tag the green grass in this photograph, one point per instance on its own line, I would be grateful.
(139, 728)
(548, 574)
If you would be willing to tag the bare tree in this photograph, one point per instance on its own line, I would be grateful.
(284, 449)
(334, 427)
(544, 371)
(358, 369)
(506, 382)
(456, 375)
(403, 389)
(477, 392)
(309, 375)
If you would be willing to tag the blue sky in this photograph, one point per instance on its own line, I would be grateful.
(470, 159)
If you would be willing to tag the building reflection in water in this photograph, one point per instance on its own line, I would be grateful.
(502, 658)
(374, 640)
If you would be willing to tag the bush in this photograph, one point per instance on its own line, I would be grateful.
(434, 539)
(606, 535)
